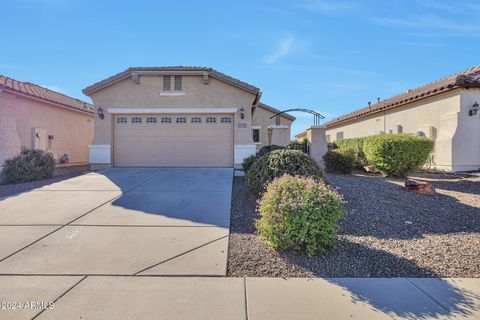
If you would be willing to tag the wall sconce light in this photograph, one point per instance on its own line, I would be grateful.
(242, 113)
(473, 109)
(100, 113)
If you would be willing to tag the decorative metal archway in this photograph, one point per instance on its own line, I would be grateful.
(317, 117)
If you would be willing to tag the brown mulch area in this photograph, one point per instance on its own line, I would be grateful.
(387, 231)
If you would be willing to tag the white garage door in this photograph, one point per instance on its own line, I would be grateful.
(173, 140)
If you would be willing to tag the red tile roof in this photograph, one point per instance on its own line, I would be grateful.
(35, 91)
(466, 79)
(126, 73)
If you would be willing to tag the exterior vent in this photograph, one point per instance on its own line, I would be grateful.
(167, 83)
(178, 83)
(397, 129)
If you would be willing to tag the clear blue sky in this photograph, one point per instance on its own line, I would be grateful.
(329, 56)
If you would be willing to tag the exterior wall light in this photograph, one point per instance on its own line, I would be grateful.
(242, 113)
(100, 113)
(473, 109)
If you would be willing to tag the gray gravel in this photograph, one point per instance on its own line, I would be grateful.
(387, 232)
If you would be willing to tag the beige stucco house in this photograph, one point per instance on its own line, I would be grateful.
(36, 117)
(267, 130)
(445, 111)
(178, 117)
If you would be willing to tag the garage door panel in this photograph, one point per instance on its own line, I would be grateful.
(173, 144)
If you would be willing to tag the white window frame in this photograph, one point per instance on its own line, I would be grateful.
(196, 120)
(121, 120)
(166, 120)
(211, 120)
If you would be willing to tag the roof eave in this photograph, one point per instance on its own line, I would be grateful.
(28, 96)
(128, 73)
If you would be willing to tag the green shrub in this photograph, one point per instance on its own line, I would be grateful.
(397, 154)
(248, 162)
(29, 165)
(276, 164)
(302, 146)
(356, 144)
(299, 213)
(267, 149)
(340, 160)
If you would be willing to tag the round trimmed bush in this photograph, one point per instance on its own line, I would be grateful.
(248, 162)
(299, 213)
(29, 165)
(340, 160)
(276, 164)
(397, 154)
(267, 149)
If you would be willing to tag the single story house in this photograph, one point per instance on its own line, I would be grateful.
(446, 111)
(267, 130)
(36, 117)
(179, 117)
(301, 137)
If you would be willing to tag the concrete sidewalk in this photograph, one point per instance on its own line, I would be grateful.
(145, 297)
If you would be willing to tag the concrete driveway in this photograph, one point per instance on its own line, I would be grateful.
(120, 221)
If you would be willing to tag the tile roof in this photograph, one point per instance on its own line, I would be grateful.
(272, 109)
(35, 91)
(466, 79)
(212, 72)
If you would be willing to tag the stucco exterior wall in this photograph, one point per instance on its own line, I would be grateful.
(148, 94)
(261, 120)
(72, 130)
(443, 118)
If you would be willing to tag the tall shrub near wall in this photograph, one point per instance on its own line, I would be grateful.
(356, 145)
(397, 154)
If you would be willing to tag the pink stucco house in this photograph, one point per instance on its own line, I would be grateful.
(36, 117)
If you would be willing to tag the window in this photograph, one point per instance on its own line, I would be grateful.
(256, 135)
(196, 120)
(166, 120)
(121, 120)
(211, 120)
(166, 83)
(226, 120)
(136, 120)
(339, 135)
(181, 120)
(151, 120)
(178, 83)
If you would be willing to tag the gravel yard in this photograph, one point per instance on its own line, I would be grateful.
(387, 231)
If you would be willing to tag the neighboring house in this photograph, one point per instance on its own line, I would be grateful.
(445, 111)
(36, 117)
(267, 130)
(173, 117)
(301, 137)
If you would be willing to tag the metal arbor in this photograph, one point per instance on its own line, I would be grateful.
(317, 117)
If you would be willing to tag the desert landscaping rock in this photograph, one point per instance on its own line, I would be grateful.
(387, 231)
